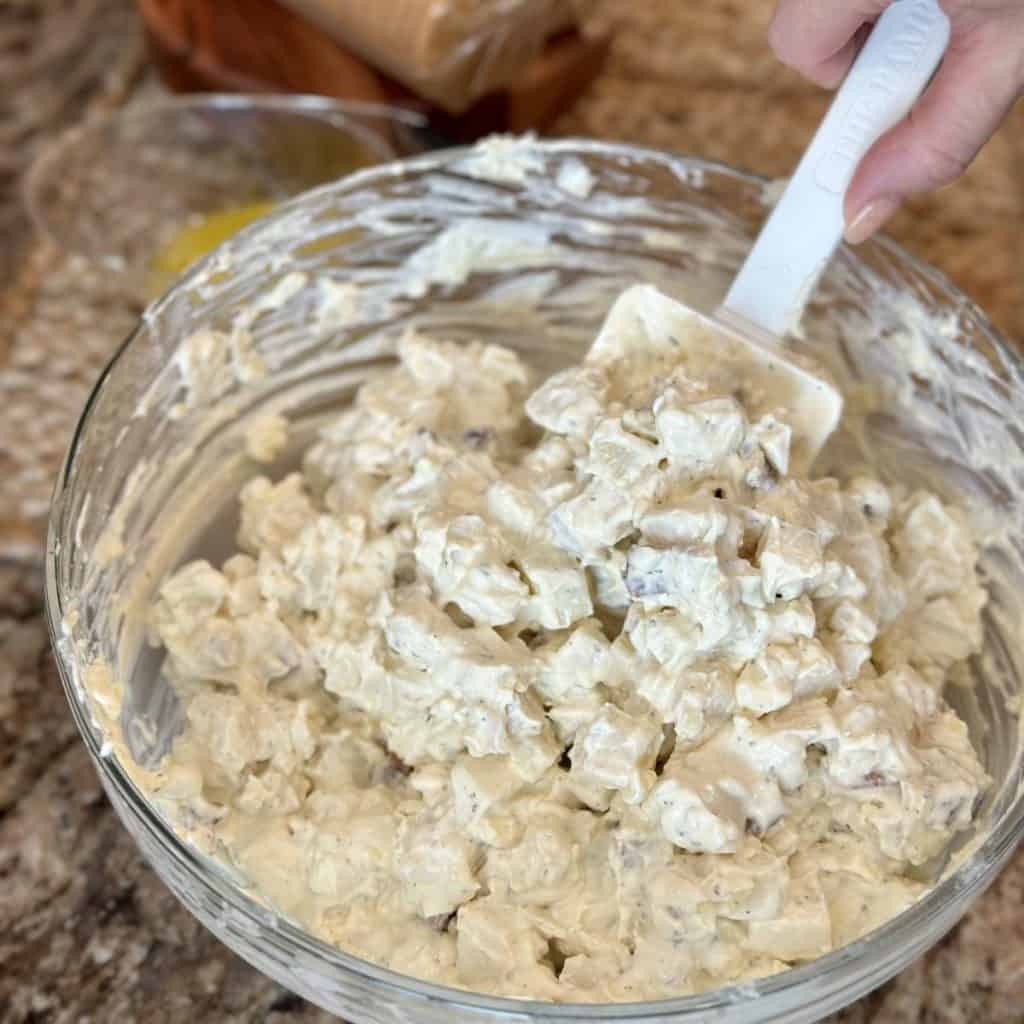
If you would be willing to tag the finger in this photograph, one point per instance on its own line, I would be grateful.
(817, 37)
(832, 71)
(969, 97)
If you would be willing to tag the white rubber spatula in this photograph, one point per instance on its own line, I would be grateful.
(768, 296)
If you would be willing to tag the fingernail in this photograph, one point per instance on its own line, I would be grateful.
(869, 218)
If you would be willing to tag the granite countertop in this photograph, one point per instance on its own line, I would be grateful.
(87, 932)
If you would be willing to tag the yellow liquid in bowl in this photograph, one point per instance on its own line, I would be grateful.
(199, 238)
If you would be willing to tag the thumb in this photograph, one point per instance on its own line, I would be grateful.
(970, 95)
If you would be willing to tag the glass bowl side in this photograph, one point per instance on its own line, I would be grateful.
(113, 188)
(149, 437)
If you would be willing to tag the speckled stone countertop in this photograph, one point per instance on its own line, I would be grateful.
(87, 933)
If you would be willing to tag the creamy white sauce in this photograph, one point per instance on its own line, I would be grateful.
(570, 691)
(574, 178)
(805, 737)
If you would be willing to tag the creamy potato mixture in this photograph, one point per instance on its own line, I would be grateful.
(570, 689)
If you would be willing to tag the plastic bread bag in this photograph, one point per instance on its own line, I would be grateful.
(451, 52)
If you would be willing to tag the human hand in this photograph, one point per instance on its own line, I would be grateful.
(977, 83)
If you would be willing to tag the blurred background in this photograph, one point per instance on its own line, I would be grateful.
(114, 176)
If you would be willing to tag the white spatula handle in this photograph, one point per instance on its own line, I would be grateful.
(891, 71)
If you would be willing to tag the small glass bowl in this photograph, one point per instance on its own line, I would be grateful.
(150, 480)
(117, 188)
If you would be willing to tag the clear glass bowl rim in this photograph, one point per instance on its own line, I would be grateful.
(880, 954)
(324, 107)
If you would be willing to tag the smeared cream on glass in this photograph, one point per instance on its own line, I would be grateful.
(567, 689)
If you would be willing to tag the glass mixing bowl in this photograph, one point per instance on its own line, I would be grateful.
(119, 187)
(153, 468)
